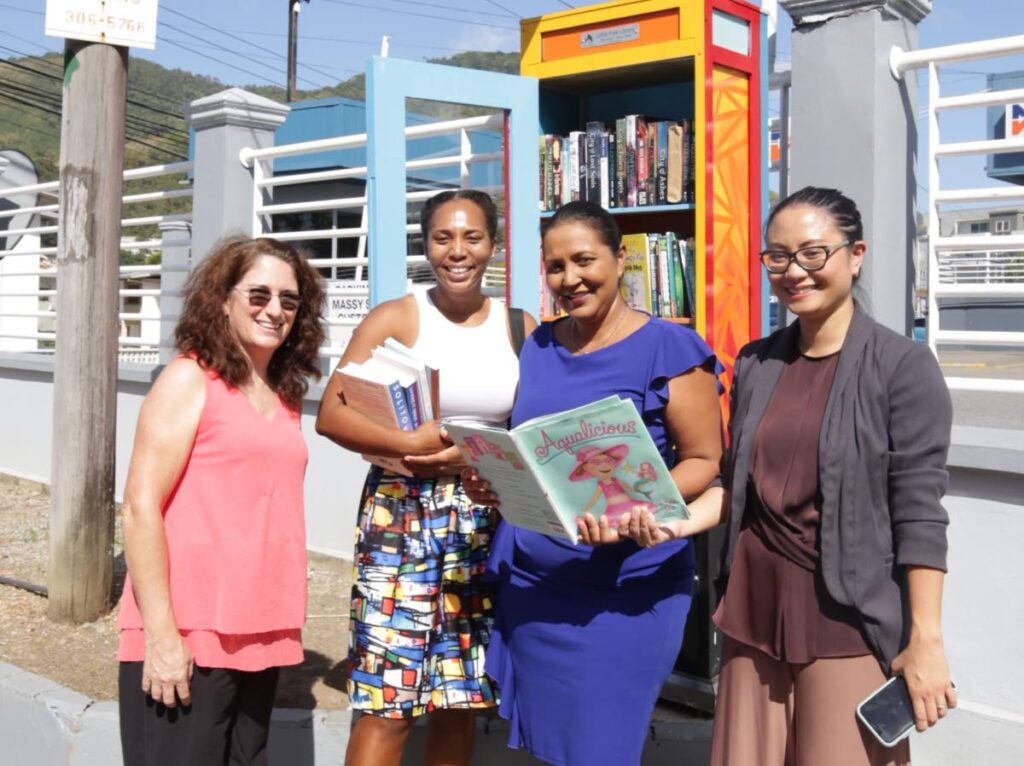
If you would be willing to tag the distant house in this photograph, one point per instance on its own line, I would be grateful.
(989, 265)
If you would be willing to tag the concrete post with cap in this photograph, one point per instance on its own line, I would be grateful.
(854, 129)
(223, 198)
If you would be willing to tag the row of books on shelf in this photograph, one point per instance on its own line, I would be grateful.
(393, 388)
(636, 162)
(659, 276)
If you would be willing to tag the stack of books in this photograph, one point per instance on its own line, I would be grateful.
(637, 162)
(393, 388)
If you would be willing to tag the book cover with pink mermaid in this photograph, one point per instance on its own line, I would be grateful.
(596, 459)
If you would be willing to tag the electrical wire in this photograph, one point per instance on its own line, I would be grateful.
(32, 128)
(57, 112)
(176, 115)
(422, 15)
(370, 43)
(252, 44)
(21, 10)
(496, 5)
(55, 100)
(505, 15)
(177, 44)
(218, 46)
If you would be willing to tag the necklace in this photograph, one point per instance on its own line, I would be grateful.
(608, 338)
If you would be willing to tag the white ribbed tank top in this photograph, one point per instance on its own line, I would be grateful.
(478, 369)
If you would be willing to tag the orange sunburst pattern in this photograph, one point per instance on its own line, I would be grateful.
(731, 234)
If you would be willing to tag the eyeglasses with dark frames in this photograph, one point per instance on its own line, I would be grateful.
(260, 297)
(811, 258)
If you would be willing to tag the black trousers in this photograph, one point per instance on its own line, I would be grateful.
(226, 725)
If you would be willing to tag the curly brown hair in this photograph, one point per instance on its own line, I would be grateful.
(203, 333)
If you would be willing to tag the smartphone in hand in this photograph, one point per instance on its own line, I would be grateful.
(888, 712)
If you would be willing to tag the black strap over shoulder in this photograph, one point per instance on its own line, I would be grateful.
(517, 328)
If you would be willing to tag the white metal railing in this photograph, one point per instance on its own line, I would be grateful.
(960, 272)
(29, 274)
(972, 266)
(348, 270)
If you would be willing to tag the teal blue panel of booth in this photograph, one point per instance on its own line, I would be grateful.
(389, 83)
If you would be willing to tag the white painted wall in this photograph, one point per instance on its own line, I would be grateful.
(334, 478)
(983, 619)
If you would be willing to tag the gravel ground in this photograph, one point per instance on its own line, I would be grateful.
(82, 657)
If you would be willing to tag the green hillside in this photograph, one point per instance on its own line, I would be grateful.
(30, 103)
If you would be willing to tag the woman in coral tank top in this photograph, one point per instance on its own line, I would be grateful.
(213, 513)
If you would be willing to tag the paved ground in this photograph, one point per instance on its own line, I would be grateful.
(986, 409)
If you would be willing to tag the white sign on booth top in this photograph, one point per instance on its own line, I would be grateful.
(129, 23)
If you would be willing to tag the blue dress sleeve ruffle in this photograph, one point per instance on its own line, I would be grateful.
(677, 349)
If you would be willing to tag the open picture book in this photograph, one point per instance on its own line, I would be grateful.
(598, 459)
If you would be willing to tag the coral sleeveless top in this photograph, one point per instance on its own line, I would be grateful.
(236, 539)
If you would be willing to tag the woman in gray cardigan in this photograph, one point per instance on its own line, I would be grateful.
(836, 547)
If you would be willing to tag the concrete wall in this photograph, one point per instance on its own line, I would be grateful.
(983, 612)
(334, 477)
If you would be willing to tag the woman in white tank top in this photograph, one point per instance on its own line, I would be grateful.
(420, 616)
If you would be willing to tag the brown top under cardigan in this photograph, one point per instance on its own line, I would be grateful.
(881, 468)
(777, 600)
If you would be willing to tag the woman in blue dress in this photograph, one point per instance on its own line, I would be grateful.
(585, 635)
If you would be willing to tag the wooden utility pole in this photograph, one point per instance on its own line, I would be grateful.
(293, 46)
(85, 376)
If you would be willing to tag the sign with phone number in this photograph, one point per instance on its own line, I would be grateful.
(130, 23)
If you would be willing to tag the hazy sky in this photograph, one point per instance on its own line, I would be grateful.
(243, 42)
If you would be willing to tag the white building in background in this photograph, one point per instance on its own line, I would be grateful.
(990, 266)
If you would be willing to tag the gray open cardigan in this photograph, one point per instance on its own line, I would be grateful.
(881, 467)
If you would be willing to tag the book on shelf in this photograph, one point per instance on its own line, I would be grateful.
(674, 165)
(642, 166)
(598, 459)
(636, 275)
(593, 167)
(690, 153)
(634, 162)
(630, 160)
(620, 162)
(661, 166)
(394, 389)
(603, 171)
(556, 171)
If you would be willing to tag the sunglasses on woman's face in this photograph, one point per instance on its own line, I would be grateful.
(260, 297)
